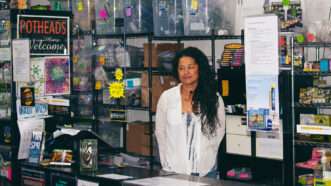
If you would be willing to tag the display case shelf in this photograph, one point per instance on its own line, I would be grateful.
(120, 107)
(313, 44)
(314, 105)
(198, 37)
(302, 73)
(312, 143)
(120, 36)
(313, 129)
(127, 68)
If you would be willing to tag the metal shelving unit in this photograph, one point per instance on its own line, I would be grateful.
(302, 79)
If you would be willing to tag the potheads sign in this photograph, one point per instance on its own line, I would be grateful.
(49, 35)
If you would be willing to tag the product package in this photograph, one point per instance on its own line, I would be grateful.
(290, 16)
(88, 154)
(112, 54)
(133, 91)
(60, 5)
(85, 102)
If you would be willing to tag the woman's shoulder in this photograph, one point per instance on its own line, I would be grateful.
(171, 92)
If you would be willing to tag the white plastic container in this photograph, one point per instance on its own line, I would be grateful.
(196, 17)
(168, 17)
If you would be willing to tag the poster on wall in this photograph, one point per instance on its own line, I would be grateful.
(57, 76)
(49, 34)
(37, 70)
(262, 102)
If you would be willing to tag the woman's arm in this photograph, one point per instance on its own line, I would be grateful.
(160, 130)
(220, 131)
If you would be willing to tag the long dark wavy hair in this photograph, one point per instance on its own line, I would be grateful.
(205, 98)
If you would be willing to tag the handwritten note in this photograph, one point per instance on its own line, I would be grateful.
(21, 60)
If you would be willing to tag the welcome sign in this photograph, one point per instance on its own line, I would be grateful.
(49, 35)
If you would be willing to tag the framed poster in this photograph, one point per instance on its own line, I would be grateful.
(57, 75)
(49, 34)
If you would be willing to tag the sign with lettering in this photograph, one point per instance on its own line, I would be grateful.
(49, 35)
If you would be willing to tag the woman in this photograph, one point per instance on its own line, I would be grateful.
(190, 118)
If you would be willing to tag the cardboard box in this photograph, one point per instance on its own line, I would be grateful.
(159, 84)
(157, 49)
(137, 138)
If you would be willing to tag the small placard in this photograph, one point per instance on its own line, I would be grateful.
(118, 115)
(27, 96)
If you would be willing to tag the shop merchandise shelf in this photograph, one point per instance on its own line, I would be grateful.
(122, 35)
(126, 107)
(302, 73)
(128, 68)
(82, 119)
(190, 38)
(312, 143)
(313, 44)
(315, 105)
(313, 129)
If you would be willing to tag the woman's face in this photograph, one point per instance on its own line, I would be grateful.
(188, 71)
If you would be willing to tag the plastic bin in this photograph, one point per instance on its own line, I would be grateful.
(196, 17)
(168, 17)
(201, 16)
(138, 16)
(109, 17)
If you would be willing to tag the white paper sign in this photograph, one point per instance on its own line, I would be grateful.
(164, 181)
(26, 127)
(86, 183)
(21, 59)
(115, 176)
(261, 45)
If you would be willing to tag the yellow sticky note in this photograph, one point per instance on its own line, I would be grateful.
(102, 60)
(75, 59)
(98, 85)
(80, 6)
(225, 87)
(195, 4)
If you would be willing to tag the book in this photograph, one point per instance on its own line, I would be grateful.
(35, 150)
(88, 154)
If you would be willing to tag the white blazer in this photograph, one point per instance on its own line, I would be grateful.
(170, 132)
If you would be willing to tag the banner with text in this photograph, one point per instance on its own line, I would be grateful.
(49, 35)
